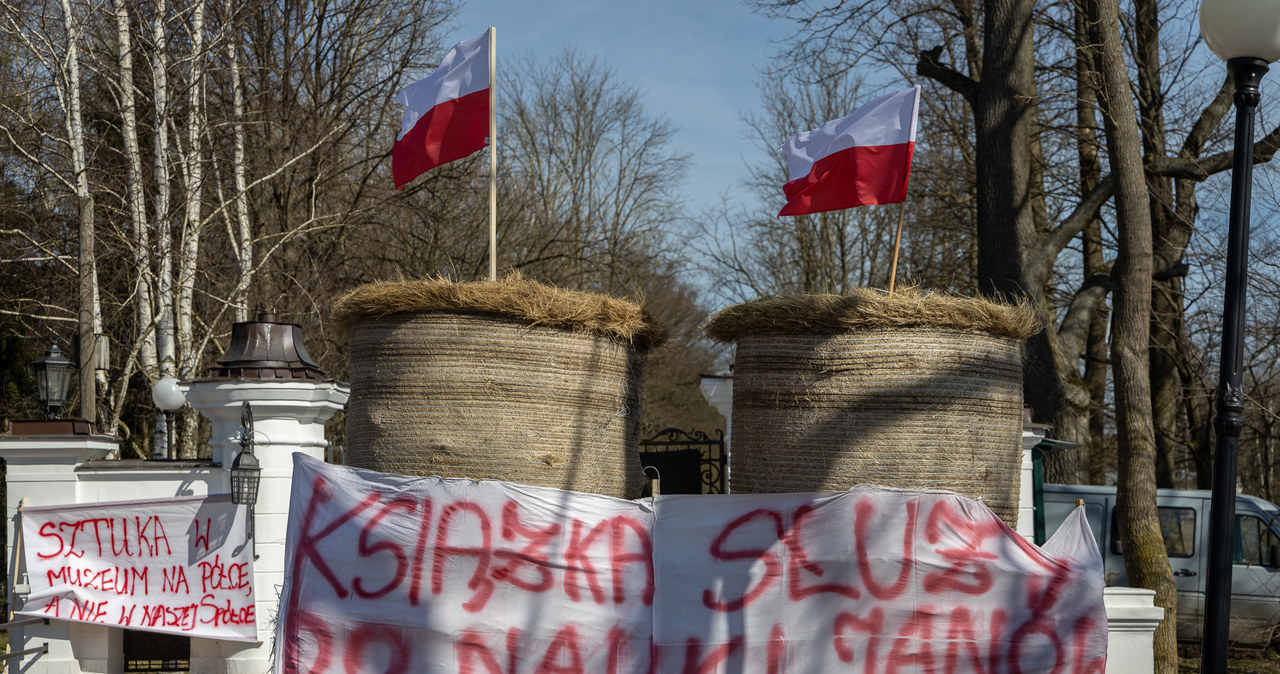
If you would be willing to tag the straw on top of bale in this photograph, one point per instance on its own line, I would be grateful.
(513, 297)
(868, 308)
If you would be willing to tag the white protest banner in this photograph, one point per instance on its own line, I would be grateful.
(870, 580)
(180, 566)
(396, 574)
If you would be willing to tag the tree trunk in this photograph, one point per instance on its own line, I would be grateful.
(1167, 246)
(193, 188)
(1145, 558)
(244, 232)
(89, 316)
(1002, 126)
(144, 330)
(1012, 260)
(1166, 385)
(165, 343)
(1096, 362)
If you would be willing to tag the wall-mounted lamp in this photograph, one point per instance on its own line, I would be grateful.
(246, 472)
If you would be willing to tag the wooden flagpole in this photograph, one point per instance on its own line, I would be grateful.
(897, 242)
(493, 154)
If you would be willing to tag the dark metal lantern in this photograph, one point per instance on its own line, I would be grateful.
(245, 475)
(246, 472)
(53, 379)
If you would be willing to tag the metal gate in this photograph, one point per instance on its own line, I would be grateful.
(689, 462)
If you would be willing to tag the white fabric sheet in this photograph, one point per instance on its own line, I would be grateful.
(397, 574)
(179, 566)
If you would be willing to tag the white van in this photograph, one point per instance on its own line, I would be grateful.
(1184, 521)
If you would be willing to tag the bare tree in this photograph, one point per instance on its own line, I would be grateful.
(595, 175)
(756, 253)
(169, 308)
(50, 44)
(1145, 559)
(146, 357)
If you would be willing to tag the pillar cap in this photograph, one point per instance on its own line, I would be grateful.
(29, 427)
(265, 349)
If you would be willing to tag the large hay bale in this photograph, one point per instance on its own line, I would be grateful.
(911, 390)
(510, 380)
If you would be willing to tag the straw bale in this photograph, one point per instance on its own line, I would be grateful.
(920, 391)
(866, 308)
(437, 390)
(512, 297)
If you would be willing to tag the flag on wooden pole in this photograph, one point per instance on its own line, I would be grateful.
(447, 114)
(493, 153)
(861, 159)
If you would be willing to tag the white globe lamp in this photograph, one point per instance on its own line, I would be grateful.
(168, 396)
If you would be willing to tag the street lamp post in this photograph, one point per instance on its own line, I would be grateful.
(1245, 33)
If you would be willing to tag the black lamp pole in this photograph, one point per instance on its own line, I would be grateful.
(1246, 72)
(168, 434)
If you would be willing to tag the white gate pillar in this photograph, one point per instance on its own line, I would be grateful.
(41, 459)
(267, 366)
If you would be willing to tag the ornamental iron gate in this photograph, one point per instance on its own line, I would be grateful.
(689, 462)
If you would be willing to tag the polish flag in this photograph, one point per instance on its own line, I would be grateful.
(446, 115)
(861, 159)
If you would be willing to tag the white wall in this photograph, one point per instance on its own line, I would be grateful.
(289, 417)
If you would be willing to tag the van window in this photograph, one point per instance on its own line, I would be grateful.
(1177, 527)
(1253, 541)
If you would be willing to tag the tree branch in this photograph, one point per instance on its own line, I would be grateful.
(1190, 168)
(1208, 120)
(932, 67)
(1079, 218)
(1074, 328)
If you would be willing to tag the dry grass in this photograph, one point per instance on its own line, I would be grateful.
(512, 297)
(867, 308)
(1240, 659)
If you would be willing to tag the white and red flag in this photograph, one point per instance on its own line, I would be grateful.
(861, 159)
(447, 114)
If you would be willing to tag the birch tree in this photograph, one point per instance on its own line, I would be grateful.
(243, 235)
(53, 51)
(144, 354)
(165, 317)
(213, 118)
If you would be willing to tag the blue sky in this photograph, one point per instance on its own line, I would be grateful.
(695, 62)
